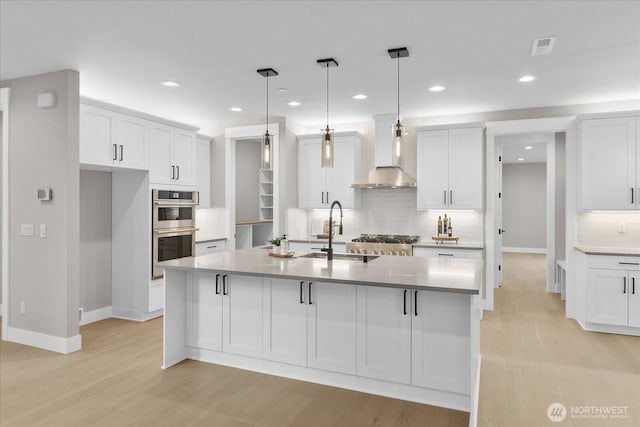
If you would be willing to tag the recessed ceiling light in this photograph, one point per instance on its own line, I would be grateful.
(525, 79)
(170, 83)
(437, 88)
(528, 147)
(293, 103)
(282, 89)
(520, 159)
(236, 109)
(360, 96)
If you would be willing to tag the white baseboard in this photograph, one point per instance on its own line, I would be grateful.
(44, 341)
(95, 315)
(524, 250)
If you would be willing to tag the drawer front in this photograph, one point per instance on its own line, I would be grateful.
(156, 296)
(211, 247)
(611, 262)
(448, 253)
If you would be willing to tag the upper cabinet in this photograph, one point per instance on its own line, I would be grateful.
(317, 186)
(609, 163)
(203, 171)
(111, 139)
(173, 155)
(450, 168)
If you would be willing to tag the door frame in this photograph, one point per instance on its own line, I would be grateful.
(231, 135)
(4, 211)
(493, 129)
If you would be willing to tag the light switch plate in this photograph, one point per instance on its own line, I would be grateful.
(26, 230)
(43, 230)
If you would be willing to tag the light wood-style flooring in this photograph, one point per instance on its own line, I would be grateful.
(532, 356)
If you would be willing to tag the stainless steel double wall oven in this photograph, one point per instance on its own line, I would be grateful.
(174, 226)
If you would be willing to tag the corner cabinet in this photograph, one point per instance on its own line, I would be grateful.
(317, 186)
(609, 163)
(450, 167)
(173, 155)
(113, 140)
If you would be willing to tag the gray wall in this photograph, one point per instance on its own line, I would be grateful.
(44, 273)
(95, 239)
(248, 164)
(524, 205)
(1, 124)
(560, 202)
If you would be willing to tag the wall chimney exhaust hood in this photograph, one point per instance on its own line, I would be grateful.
(384, 175)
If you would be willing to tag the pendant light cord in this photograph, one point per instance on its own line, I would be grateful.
(398, 88)
(327, 95)
(267, 133)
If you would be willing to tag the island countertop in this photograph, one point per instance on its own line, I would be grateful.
(434, 274)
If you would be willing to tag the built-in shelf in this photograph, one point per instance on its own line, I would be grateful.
(266, 194)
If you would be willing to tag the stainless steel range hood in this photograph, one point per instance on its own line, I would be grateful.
(384, 175)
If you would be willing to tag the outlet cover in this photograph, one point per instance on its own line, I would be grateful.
(26, 230)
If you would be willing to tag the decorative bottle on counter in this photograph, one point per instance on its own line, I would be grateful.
(439, 225)
(445, 224)
(450, 229)
(284, 245)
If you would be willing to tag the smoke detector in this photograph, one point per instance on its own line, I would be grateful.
(542, 46)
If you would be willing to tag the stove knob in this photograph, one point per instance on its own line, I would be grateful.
(396, 253)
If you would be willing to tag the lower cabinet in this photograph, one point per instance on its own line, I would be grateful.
(242, 315)
(448, 252)
(204, 318)
(613, 297)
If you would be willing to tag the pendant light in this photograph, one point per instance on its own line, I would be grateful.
(327, 136)
(398, 128)
(267, 149)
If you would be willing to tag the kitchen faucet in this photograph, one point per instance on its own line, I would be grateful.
(329, 250)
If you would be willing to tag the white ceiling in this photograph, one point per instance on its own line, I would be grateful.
(513, 147)
(476, 49)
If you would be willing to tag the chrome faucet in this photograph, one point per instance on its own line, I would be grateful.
(329, 250)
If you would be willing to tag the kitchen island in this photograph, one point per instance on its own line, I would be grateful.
(401, 327)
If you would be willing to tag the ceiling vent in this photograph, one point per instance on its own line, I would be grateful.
(542, 46)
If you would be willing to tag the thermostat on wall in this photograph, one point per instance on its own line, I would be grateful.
(45, 194)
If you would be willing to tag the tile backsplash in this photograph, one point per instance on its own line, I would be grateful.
(388, 211)
(609, 229)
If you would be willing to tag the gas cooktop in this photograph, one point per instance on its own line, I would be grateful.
(387, 238)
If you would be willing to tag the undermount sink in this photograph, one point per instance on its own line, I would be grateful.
(348, 257)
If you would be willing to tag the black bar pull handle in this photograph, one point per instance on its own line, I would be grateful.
(445, 197)
(301, 292)
(310, 302)
(633, 285)
(405, 302)
(628, 263)
(217, 288)
(121, 152)
(173, 172)
(415, 303)
(115, 152)
(624, 286)
(178, 172)
(450, 197)
(225, 290)
(631, 195)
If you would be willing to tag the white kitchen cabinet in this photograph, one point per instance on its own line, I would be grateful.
(609, 163)
(449, 168)
(112, 139)
(384, 333)
(242, 315)
(172, 157)
(285, 321)
(204, 312)
(613, 290)
(332, 327)
(210, 247)
(203, 171)
(317, 186)
(448, 252)
(441, 345)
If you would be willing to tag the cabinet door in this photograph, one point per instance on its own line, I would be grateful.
(203, 172)
(441, 344)
(465, 168)
(341, 176)
(285, 321)
(332, 327)
(446, 252)
(183, 156)
(384, 333)
(311, 177)
(97, 136)
(607, 296)
(160, 171)
(432, 170)
(608, 157)
(634, 299)
(242, 316)
(132, 143)
(204, 312)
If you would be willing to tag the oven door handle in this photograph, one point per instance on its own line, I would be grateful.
(176, 231)
(167, 204)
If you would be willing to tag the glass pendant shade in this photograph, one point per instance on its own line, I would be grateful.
(267, 151)
(327, 148)
(398, 141)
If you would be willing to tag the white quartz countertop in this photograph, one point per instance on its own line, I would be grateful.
(435, 274)
(602, 250)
